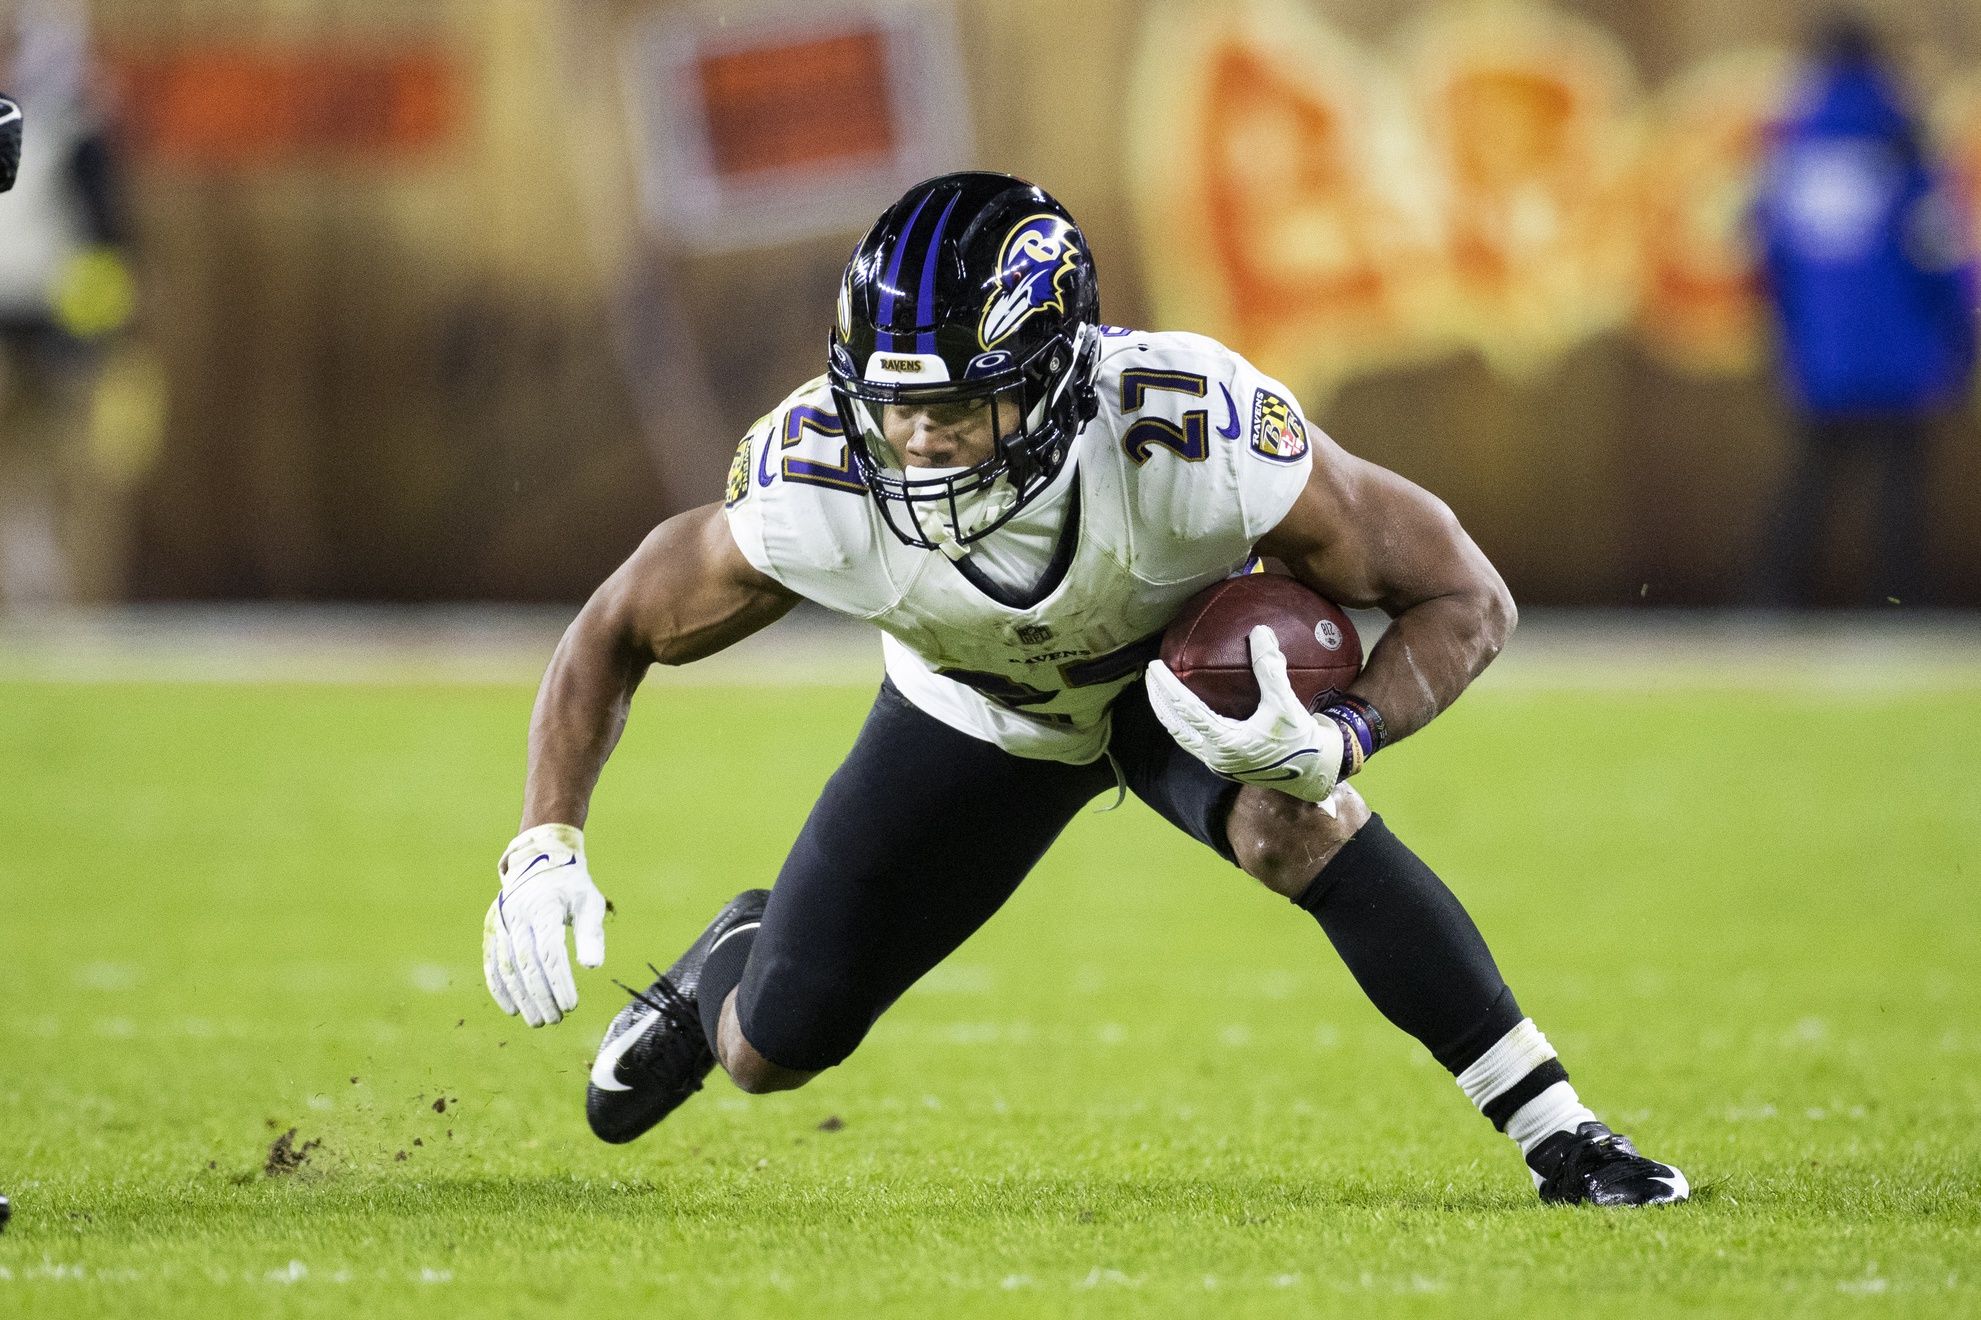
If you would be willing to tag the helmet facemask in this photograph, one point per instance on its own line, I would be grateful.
(1033, 409)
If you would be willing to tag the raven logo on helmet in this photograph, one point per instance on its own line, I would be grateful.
(1038, 254)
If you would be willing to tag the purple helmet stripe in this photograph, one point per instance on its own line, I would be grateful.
(891, 281)
(925, 298)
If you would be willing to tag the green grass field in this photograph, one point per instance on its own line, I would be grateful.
(1748, 920)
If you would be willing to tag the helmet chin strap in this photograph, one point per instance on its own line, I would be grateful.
(978, 508)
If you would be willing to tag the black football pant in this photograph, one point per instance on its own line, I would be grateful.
(918, 838)
(923, 833)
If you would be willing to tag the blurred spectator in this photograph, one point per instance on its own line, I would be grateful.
(1872, 285)
(64, 289)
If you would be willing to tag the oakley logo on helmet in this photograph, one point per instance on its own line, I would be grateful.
(1038, 254)
(989, 364)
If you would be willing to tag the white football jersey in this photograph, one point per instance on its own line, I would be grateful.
(1193, 456)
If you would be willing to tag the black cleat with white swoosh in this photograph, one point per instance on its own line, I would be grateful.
(1595, 1166)
(655, 1053)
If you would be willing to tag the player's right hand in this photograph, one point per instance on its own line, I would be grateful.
(545, 887)
(1282, 746)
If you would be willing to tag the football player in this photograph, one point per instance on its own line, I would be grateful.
(1020, 497)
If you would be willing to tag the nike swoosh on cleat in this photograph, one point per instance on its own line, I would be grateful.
(1679, 1187)
(605, 1068)
(731, 933)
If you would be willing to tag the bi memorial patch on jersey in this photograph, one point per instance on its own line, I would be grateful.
(1277, 433)
(738, 484)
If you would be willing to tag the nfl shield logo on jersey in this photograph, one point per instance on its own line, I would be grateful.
(1276, 430)
(1033, 634)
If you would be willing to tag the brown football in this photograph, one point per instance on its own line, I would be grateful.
(1207, 643)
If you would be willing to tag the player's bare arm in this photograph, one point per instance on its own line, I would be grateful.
(1363, 536)
(687, 592)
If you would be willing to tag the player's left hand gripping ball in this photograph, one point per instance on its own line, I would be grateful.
(545, 887)
(1282, 746)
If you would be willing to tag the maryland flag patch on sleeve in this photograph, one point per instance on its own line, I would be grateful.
(738, 484)
(1277, 431)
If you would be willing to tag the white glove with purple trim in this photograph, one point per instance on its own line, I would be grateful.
(1282, 746)
(545, 887)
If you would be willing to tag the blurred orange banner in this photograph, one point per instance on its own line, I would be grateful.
(1279, 201)
(1698, 181)
(243, 107)
(1527, 112)
(800, 104)
(1957, 118)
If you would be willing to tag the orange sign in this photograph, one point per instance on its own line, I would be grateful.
(757, 124)
(1527, 113)
(244, 107)
(1275, 210)
(771, 121)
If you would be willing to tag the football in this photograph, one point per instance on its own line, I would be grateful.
(1206, 644)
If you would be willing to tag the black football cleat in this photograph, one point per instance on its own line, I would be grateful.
(655, 1053)
(1593, 1165)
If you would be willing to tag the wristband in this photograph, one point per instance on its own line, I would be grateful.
(1372, 719)
(1362, 726)
(1352, 756)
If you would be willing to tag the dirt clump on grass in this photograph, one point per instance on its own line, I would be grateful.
(285, 1156)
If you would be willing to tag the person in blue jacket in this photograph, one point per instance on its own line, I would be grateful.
(1871, 279)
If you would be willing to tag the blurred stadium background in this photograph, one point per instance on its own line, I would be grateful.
(417, 283)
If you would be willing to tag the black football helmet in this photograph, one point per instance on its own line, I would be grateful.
(974, 289)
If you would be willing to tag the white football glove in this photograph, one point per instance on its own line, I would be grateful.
(545, 887)
(1281, 746)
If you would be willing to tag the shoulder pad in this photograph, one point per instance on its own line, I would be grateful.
(1207, 452)
(796, 504)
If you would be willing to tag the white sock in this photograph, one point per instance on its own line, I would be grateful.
(1517, 1064)
(1557, 1109)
